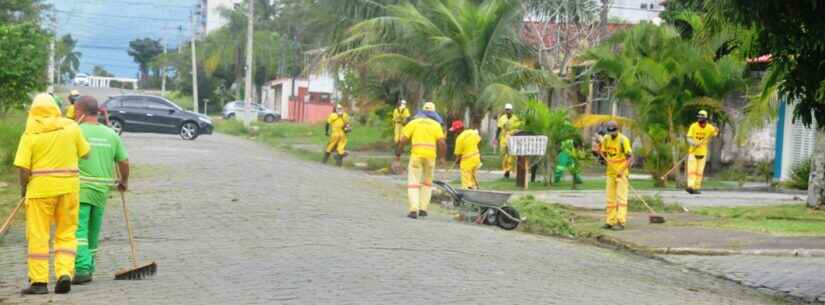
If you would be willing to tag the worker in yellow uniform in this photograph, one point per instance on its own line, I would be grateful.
(399, 118)
(467, 156)
(73, 97)
(698, 136)
(508, 125)
(337, 128)
(618, 154)
(47, 161)
(428, 142)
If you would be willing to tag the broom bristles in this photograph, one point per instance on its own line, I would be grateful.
(138, 273)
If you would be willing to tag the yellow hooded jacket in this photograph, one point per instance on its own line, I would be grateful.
(50, 148)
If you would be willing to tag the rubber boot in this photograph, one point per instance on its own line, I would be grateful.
(64, 285)
(339, 160)
(36, 288)
(326, 158)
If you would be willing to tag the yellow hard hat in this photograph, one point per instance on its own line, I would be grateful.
(702, 114)
(429, 106)
(74, 93)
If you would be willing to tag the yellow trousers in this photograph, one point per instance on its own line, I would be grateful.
(469, 168)
(506, 159)
(41, 213)
(616, 200)
(420, 183)
(337, 143)
(695, 171)
(397, 133)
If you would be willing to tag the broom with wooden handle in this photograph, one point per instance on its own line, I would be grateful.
(7, 224)
(137, 272)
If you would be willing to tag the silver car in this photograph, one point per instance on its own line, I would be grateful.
(264, 114)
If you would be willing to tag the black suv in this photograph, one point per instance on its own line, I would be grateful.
(147, 113)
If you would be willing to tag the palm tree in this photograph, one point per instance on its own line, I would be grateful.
(68, 59)
(668, 77)
(467, 54)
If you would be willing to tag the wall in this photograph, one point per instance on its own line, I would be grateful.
(631, 11)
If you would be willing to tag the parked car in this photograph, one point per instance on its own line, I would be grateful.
(147, 113)
(81, 79)
(264, 114)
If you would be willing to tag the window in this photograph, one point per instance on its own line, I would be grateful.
(113, 103)
(134, 102)
(155, 104)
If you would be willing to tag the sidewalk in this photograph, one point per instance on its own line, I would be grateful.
(594, 199)
(787, 266)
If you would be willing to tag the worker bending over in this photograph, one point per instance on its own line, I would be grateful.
(427, 139)
(96, 177)
(47, 159)
(618, 154)
(467, 156)
(698, 136)
(339, 122)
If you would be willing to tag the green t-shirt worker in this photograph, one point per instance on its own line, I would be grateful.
(97, 175)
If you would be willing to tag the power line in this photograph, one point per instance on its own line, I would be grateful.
(134, 3)
(118, 16)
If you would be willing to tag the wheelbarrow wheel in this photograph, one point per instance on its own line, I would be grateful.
(505, 222)
(490, 216)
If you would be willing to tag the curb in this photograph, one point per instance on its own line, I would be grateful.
(607, 240)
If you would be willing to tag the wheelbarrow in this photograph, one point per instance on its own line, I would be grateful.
(493, 205)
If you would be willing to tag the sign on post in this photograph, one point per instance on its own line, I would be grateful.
(522, 147)
(527, 145)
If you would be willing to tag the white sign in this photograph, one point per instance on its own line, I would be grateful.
(527, 145)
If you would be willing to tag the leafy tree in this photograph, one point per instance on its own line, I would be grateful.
(24, 54)
(99, 70)
(143, 50)
(67, 58)
(466, 53)
(790, 32)
(667, 78)
(14, 11)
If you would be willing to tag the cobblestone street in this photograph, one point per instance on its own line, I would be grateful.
(232, 222)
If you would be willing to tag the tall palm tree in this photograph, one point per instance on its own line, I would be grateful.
(68, 59)
(467, 53)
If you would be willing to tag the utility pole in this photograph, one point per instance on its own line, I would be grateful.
(247, 118)
(52, 54)
(194, 68)
(163, 70)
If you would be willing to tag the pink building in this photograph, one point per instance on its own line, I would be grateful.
(300, 100)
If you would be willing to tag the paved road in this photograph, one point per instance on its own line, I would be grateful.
(798, 277)
(232, 222)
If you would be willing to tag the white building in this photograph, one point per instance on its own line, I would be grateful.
(635, 11)
(211, 18)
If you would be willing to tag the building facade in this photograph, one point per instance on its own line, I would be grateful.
(211, 18)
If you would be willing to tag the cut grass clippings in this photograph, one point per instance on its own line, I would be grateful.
(544, 218)
(794, 219)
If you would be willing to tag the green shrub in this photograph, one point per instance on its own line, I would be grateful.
(800, 174)
(545, 218)
(764, 170)
(11, 127)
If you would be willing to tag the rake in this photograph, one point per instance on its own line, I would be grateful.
(653, 218)
(137, 272)
(7, 223)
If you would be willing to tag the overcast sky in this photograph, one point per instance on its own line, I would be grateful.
(104, 28)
